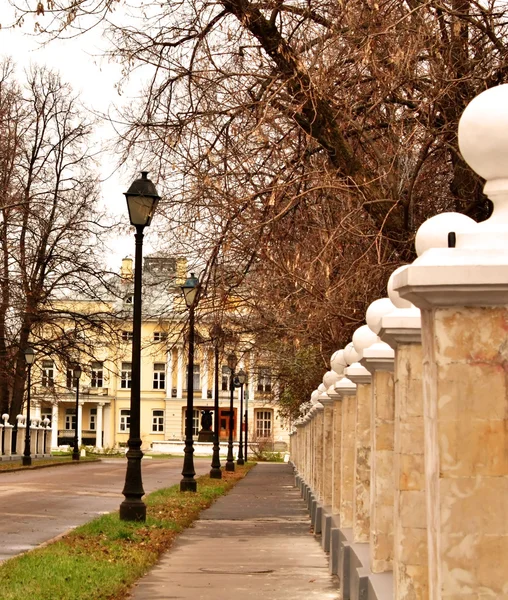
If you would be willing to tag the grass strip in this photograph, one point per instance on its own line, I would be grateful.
(15, 465)
(104, 558)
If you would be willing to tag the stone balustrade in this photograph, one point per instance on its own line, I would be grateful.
(405, 462)
(12, 437)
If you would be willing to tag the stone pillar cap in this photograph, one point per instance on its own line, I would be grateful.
(318, 407)
(475, 272)
(325, 399)
(379, 357)
(403, 325)
(345, 387)
(358, 373)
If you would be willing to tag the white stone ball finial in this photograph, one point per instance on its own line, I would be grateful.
(433, 233)
(330, 378)
(350, 354)
(376, 311)
(363, 337)
(483, 135)
(338, 362)
(315, 394)
(394, 296)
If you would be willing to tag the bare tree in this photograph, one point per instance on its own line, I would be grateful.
(301, 144)
(50, 230)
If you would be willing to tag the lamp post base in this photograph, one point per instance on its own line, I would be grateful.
(230, 465)
(26, 461)
(215, 473)
(133, 510)
(75, 455)
(240, 461)
(188, 484)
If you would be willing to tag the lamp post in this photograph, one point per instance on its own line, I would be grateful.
(76, 374)
(190, 291)
(142, 200)
(246, 421)
(215, 472)
(27, 458)
(230, 461)
(242, 377)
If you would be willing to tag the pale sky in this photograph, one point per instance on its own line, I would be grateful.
(79, 62)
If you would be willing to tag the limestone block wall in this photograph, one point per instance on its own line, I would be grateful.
(466, 441)
(361, 499)
(337, 455)
(348, 449)
(382, 481)
(410, 521)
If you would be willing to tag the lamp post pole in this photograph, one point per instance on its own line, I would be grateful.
(241, 378)
(188, 483)
(27, 457)
(230, 461)
(246, 421)
(215, 471)
(76, 372)
(142, 200)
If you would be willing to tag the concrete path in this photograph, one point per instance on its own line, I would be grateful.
(254, 543)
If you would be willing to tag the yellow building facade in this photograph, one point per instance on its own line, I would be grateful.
(103, 408)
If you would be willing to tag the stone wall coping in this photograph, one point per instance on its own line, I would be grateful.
(402, 326)
(357, 373)
(345, 387)
(456, 277)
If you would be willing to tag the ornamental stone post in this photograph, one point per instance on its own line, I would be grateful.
(347, 391)
(401, 329)
(462, 292)
(378, 359)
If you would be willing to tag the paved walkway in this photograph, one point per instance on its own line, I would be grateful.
(254, 543)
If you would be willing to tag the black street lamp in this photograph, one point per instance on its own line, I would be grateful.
(142, 200)
(190, 291)
(27, 458)
(76, 374)
(216, 334)
(242, 378)
(230, 460)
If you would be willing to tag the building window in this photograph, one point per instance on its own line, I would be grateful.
(264, 379)
(195, 421)
(46, 413)
(157, 421)
(97, 380)
(93, 419)
(48, 373)
(264, 423)
(160, 336)
(126, 376)
(225, 378)
(127, 336)
(159, 376)
(125, 419)
(196, 380)
(70, 418)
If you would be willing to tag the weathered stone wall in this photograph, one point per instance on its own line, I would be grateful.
(410, 525)
(466, 441)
